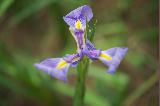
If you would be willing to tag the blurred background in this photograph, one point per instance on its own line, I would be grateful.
(33, 30)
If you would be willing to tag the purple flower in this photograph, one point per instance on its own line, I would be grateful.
(76, 19)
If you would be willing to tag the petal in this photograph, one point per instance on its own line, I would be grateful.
(87, 12)
(91, 51)
(92, 54)
(70, 21)
(79, 38)
(56, 67)
(112, 57)
(73, 59)
(86, 15)
(89, 45)
(72, 17)
(83, 13)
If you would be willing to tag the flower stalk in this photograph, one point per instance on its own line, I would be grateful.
(82, 70)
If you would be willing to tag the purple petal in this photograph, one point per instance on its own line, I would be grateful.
(87, 12)
(89, 45)
(91, 51)
(80, 40)
(92, 54)
(50, 66)
(117, 54)
(73, 59)
(83, 13)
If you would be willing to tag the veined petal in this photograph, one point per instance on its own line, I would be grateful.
(56, 67)
(91, 51)
(112, 57)
(92, 54)
(80, 15)
(79, 38)
(89, 45)
(87, 12)
(73, 59)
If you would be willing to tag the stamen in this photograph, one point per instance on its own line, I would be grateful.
(61, 64)
(105, 56)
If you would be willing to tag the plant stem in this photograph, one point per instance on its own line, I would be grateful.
(80, 86)
(82, 69)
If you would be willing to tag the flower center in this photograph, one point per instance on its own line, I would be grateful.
(78, 24)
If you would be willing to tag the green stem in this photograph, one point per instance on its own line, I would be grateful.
(82, 69)
(80, 86)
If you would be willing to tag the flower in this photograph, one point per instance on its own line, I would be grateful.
(77, 20)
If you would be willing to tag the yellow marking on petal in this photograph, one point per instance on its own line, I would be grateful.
(105, 56)
(78, 24)
(61, 64)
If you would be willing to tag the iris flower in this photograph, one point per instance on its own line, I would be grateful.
(77, 20)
